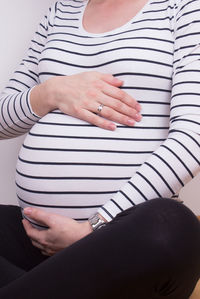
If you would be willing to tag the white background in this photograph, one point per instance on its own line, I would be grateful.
(18, 21)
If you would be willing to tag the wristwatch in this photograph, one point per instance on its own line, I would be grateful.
(96, 222)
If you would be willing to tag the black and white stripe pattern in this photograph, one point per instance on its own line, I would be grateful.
(74, 168)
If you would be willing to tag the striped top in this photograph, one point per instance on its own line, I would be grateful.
(71, 167)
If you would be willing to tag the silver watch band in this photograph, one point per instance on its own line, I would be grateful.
(96, 222)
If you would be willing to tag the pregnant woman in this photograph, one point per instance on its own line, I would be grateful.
(109, 96)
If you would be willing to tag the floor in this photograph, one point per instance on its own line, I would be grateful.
(196, 293)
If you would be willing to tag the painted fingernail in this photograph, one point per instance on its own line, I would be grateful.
(131, 122)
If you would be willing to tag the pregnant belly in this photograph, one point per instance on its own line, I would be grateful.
(70, 167)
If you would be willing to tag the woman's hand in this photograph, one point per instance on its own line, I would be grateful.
(61, 233)
(80, 96)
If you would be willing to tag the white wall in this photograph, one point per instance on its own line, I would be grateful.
(18, 20)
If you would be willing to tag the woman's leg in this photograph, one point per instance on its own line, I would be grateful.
(149, 251)
(9, 272)
(15, 246)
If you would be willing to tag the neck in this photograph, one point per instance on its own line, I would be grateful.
(106, 15)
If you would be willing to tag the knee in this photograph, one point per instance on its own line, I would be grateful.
(175, 230)
(167, 223)
(175, 218)
(164, 235)
(172, 218)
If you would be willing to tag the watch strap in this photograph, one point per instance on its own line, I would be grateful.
(96, 222)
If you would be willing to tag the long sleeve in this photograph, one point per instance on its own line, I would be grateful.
(177, 160)
(16, 115)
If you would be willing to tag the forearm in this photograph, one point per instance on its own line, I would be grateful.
(166, 171)
(20, 110)
(16, 116)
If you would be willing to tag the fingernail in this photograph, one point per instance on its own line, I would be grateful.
(27, 210)
(138, 117)
(138, 107)
(131, 122)
(112, 127)
(119, 80)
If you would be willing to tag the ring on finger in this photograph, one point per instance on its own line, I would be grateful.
(99, 109)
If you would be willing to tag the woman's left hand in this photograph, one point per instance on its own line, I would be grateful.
(61, 233)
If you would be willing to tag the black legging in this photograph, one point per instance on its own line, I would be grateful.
(147, 252)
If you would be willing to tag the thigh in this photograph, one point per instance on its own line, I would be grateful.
(15, 245)
(9, 272)
(144, 253)
(168, 248)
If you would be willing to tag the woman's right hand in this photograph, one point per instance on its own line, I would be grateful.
(80, 96)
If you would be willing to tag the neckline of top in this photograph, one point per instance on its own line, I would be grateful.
(113, 31)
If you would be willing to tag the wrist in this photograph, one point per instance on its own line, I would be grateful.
(101, 217)
(40, 100)
(97, 221)
(49, 93)
(86, 228)
(56, 91)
